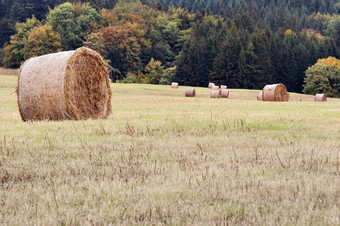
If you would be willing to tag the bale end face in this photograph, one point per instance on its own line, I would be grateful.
(190, 92)
(259, 96)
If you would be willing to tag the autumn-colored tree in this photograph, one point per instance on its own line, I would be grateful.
(107, 18)
(14, 52)
(42, 40)
(136, 13)
(330, 61)
(122, 45)
(323, 77)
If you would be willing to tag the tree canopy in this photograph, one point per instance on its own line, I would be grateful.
(243, 44)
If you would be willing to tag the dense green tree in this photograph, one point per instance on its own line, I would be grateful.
(323, 78)
(153, 71)
(72, 22)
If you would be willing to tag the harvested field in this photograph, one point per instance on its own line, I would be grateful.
(10, 72)
(162, 158)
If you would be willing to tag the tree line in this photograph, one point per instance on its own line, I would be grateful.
(243, 44)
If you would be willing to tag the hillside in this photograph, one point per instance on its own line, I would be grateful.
(245, 44)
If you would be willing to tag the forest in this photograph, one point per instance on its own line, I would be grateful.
(240, 43)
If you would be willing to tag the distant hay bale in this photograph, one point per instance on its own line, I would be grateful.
(275, 92)
(215, 88)
(320, 97)
(174, 85)
(210, 85)
(190, 92)
(215, 93)
(65, 85)
(259, 96)
(223, 87)
(224, 93)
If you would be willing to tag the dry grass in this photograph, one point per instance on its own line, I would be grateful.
(162, 158)
(5, 71)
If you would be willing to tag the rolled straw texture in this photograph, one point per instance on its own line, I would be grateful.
(65, 85)
(223, 87)
(224, 93)
(190, 92)
(215, 88)
(275, 92)
(174, 85)
(259, 96)
(215, 94)
(320, 97)
(210, 85)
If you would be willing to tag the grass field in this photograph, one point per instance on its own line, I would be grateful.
(162, 158)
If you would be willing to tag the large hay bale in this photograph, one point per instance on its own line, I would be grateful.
(259, 96)
(224, 93)
(210, 85)
(174, 85)
(320, 97)
(275, 92)
(64, 85)
(223, 87)
(215, 88)
(190, 92)
(215, 93)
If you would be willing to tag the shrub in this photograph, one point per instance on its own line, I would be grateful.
(323, 77)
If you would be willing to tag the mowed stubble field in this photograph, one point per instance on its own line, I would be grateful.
(161, 158)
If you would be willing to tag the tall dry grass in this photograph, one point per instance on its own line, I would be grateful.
(162, 158)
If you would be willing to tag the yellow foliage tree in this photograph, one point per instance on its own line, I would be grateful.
(330, 61)
(42, 40)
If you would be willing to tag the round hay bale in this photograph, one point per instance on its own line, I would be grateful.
(174, 85)
(225, 93)
(65, 85)
(215, 94)
(259, 96)
(320, 97)
(275, 92)
(190, 92)
(223, 87)
(287, 97)
(215, 88)
(210, 85)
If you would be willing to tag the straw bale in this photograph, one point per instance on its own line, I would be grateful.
(275, 92)
(223, 87)
(190, 92)
(224, 93)
(174, 85)
(215, 93)
(320, 97)
(259, 96)
(210, 85)
(65, 85)
(215, 88)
